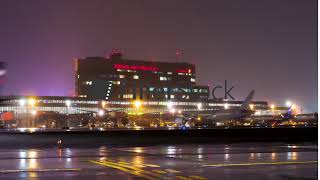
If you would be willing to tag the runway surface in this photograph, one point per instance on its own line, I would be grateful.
(185, 162)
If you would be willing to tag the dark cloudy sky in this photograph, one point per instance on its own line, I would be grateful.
(266, 45)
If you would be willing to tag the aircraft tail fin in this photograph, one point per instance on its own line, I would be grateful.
(247, 101)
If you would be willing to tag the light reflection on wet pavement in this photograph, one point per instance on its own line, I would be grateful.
(235, 161)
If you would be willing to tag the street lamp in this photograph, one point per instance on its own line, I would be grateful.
(31, 102)
(68, 104)
(22, 102)
(169, 105)
(251, 106)
(103, 104)
(199, 106)
(272, 106)
(173, 110)
(288, 103)
(137, 104)
(101, 113)
(34, 112)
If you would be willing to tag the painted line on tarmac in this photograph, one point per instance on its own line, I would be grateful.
(159, 171)
(261, 163)
(198, 177)
(150, 175)
(136, 173)
(133, 168)
(37, 170)
(172, 171)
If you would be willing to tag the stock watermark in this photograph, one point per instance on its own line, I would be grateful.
(227, 92)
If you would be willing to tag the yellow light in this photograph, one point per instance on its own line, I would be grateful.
(137, 104)
(103, 104)
(251, 106)
(288, 103)
(272, 106)
(34, 112)
(31, 102)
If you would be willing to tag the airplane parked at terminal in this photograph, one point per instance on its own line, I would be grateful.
(225, 114)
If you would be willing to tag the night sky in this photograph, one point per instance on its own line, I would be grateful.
(266, 45)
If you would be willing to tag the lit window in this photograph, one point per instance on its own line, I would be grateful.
(135, 77)
(181, 74)
(128, 96)
(163, 78)
(169, 72)
(193, 80)
(78, 76)
(121, 76)
(88, 83)
(171, 96)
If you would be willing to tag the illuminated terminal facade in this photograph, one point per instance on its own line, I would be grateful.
(75, 105)
(115, 78)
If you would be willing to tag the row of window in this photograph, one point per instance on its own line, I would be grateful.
(186, 90)
(18, 101)
(156, 72)
(121, 76)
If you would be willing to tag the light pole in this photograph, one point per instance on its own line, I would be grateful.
(199, 106)
(251, 107)
(32, 111)
(272, 106)
(22, 103)
(137, 105)
(68, 104)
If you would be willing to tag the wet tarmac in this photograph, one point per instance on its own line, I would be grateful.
(185, 162)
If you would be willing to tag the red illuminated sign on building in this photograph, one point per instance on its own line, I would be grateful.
(183, 71)
(129, 67)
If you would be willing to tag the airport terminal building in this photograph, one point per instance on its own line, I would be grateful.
(115, 78)
(117, 84)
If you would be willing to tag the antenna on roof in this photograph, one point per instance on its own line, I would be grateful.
(178, 54)
(115, 54)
